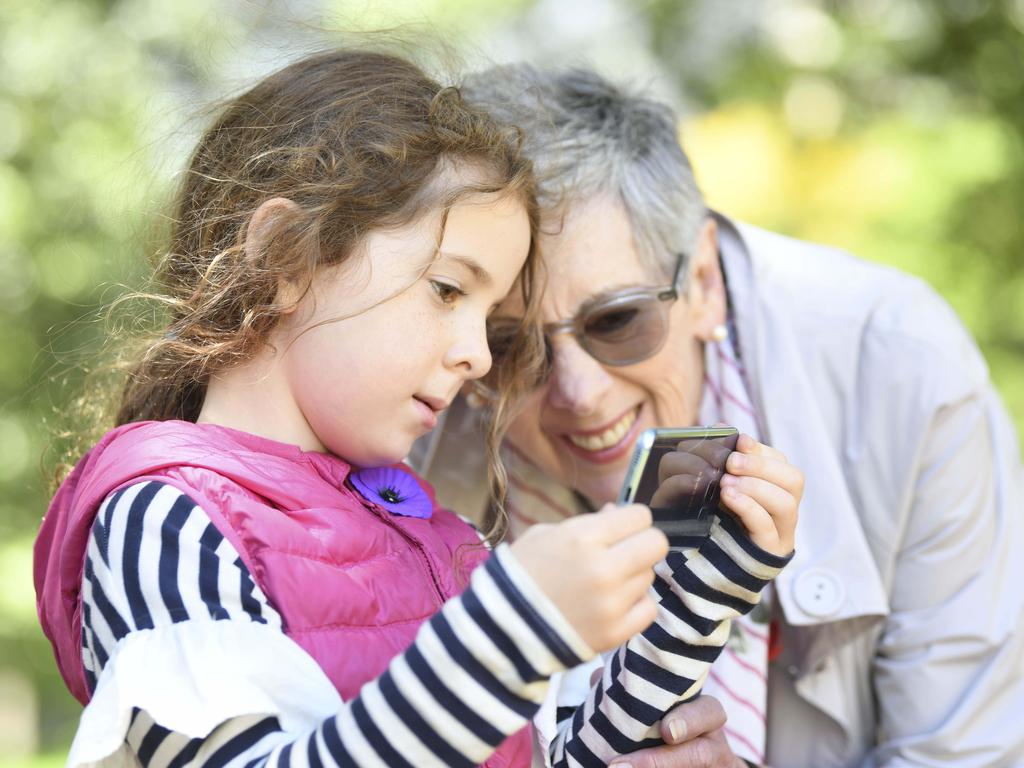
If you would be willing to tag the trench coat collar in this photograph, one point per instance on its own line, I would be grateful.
(833, 576)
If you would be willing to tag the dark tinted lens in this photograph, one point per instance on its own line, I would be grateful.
(626, 331)
(611, 324)
(500, 336)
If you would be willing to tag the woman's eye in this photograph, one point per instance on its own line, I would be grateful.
(612, 322)
(448, 294)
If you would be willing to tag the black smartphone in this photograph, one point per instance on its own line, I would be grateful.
(694, 462)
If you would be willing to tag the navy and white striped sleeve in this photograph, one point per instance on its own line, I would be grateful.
(668, 662)
(154, 559)
(476, 673)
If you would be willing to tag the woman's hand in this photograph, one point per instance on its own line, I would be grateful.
(763, 490)
(597, 569)
(694, 738)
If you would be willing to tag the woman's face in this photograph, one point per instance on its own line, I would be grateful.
(581, 425)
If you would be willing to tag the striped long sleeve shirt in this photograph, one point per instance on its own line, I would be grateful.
(155, 560)
(667, 663)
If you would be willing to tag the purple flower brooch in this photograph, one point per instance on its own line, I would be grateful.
(395, 490)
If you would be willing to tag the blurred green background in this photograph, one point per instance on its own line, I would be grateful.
(892, 128)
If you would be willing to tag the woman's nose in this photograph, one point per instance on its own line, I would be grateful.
(578, 382)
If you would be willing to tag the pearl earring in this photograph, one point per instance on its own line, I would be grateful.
(719, 333)
(474, 400)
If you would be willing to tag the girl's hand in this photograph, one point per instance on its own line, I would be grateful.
(597, 569)
(763, 491)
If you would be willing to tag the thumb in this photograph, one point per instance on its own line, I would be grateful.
(692, 719)
(614, 523)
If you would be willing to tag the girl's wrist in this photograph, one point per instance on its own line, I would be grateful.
(548, 623)
(727, 533)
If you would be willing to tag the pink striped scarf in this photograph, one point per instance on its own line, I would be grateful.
(738, 678)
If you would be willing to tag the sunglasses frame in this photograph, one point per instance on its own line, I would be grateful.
(576, 325)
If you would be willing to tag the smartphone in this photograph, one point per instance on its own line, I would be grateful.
(696, 465)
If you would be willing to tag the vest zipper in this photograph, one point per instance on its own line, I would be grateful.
(385, 517)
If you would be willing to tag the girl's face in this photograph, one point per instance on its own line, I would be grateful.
(365, 386)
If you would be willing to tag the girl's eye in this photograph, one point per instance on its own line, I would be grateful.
(448, 294)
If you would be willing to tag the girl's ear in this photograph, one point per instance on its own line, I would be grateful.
(705, 291)
(261, 226)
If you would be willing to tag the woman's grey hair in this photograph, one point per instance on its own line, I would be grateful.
(588, 137)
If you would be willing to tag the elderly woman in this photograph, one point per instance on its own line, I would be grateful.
(895, 635)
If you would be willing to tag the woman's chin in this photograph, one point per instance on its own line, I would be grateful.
(601, 490)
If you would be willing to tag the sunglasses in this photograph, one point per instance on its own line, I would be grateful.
(619, 328)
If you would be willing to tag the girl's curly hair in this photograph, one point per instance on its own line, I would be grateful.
(354, 139)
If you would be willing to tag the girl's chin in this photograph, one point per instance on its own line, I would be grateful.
(370, 460)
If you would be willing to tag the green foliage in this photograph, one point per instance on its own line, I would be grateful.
(50, 760)
(893, 128)
(81, 98)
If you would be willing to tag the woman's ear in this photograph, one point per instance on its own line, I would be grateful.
(705, 292)
(269, 215)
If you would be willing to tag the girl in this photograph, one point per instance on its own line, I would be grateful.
(242, 572)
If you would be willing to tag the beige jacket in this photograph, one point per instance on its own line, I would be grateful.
(903, 609)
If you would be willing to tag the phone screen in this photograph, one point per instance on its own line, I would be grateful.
(693, 467)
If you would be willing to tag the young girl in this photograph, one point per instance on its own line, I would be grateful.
(242, 572)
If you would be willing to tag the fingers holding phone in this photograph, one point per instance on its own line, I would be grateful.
(687, 475)
(763, 490)
(675, 471)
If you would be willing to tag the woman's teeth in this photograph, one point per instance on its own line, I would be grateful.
(608, 438)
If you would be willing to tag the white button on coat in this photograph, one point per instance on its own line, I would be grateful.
(818, 592)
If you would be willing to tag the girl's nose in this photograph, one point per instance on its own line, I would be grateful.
(469, 351)
(578, 382)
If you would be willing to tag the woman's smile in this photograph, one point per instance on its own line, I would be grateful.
(606, 443)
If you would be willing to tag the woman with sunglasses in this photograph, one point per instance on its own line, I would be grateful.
(896, 635)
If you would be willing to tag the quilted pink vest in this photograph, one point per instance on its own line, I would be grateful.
(352, 581)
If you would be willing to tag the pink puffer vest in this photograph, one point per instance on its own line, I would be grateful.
(352, 582)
